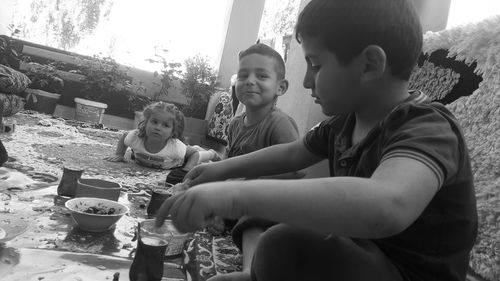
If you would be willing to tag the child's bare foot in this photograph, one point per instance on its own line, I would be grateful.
(234, 276)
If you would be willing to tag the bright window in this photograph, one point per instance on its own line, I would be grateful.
(468, 11)
(128, 30)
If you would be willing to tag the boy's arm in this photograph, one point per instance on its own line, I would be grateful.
(376, 207)
(273, 160)
(121, 148)
(195, 157)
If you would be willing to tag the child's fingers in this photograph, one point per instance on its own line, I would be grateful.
(114, 158)
(191, 176)
(191, 213)
(177, 215)
(164, 210)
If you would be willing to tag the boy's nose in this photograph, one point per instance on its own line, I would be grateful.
(308, 82)
(250, 80)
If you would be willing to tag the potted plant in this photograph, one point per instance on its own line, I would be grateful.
(169, 73)
(45, 88)
(137, 101)
(103, 77)
(198, 82)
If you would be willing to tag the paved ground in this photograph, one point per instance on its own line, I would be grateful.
(47, 144)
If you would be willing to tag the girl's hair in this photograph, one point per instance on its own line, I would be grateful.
(177, 131)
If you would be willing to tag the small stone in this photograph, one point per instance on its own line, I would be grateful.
(45, 123)
(490, 219)
(101, 267)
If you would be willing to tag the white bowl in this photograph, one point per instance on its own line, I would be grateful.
(95, 222)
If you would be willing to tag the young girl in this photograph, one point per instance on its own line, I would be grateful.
(157, 142)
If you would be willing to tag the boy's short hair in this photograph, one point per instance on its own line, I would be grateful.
(346, 27)
(263, 49)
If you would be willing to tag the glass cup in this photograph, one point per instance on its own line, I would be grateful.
(152, 243)
(159, 195)
(69, 180)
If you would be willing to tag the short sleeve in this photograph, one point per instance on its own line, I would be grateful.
(316, 140)
(428, 134)
(230, 136)
(285, 131)
(178, 149)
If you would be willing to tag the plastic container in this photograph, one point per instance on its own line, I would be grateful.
(45, 102)
(89, 111)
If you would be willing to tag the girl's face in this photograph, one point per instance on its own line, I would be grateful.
(160, 125)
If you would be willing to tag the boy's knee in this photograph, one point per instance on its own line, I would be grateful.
(278, 236)
(275, 254)
(281, 242)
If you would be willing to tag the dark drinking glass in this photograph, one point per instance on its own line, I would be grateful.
(159, 195)
(152, 243)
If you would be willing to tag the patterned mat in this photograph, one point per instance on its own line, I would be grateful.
(213, 254)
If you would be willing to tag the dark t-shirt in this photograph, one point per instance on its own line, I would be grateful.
(437, 245)
(275, 128)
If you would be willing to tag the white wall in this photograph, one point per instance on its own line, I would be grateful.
(242, 31)
(297, 101)
(433, 14)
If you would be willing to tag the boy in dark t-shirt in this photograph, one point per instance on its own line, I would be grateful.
(400, 202)
(259, 83)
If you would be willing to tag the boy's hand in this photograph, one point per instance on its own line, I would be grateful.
(198, 207)
(115, 158)
(204, 173)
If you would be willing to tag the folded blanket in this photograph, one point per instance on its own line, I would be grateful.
(11, 104)
(12, 81)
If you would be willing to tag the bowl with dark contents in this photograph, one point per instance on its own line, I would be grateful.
(95, 214)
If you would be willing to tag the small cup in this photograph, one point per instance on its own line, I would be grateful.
(151, 247)
(69, 181)
(159, 195)
(98, 188)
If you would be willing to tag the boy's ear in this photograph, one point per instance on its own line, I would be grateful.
(375, 62)
(282, 87)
